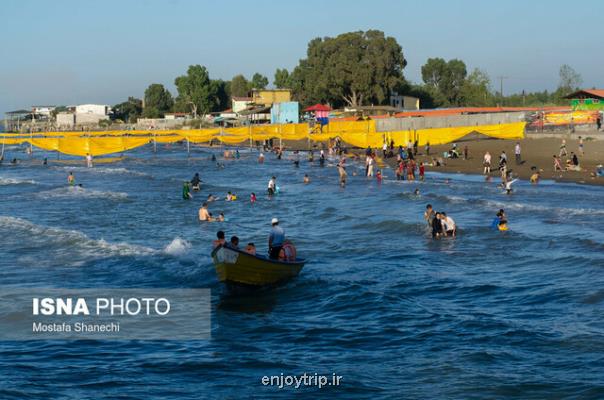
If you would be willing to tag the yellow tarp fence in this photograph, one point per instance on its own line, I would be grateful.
(355, 133)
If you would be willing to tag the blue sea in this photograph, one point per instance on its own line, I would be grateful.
(396, 314)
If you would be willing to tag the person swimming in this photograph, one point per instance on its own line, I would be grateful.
(70, 179)
(231, 197)
(306, 179)
(220, 217)
(211, 198)
(261, 158)
(213, 158)
(253, 198)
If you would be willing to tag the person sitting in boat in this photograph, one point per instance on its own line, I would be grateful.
(196, 181)
(275, 240)
(220, 240)
(250, 249)
(288, 252)
(234, 243)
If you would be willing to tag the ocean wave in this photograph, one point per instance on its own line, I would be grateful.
(177, 247)
(74, 240)
(104, 170)
(14, 181)
(78, 191)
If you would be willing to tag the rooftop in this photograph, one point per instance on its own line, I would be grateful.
(589, 93)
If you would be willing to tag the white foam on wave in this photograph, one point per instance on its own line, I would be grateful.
(75, 242)
(538, 208)
(104, 170)
(13, 181)
(82, 192)
(177, 247)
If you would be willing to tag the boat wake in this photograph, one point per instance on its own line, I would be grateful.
(13, 181)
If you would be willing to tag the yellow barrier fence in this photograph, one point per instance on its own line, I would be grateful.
(356, 133)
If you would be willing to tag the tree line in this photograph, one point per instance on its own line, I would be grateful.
(351, 69)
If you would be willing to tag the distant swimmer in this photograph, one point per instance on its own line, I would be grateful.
(416, 192)
(204, 214)
(253, 198)
(220, 217)
(89, 160)
(45, 161)
(311, 156)
(306, 179)
(237, 154)
(196, 181)
(71, 179)
(508, 186)
(322, 158)
(500, 222)
(342, 172)
(186, 191)
(429, 215)
(213, 158)
(272, 186)
(296, 159)
(449, 227)
(261, 158)
(211, 198)
(231, 196)
(535, 178)
(219, 165)
(378, 176)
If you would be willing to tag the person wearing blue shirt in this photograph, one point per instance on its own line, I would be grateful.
(275, 240)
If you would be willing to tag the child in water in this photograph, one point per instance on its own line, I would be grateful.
(71, 179)
(378, 176)
(306, 178)
(253, 198)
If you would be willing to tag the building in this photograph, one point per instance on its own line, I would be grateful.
(97, 109)
(66, 120)
(240, 103)
(43, 110)
(177, 115)
(401, 102)
(587, 100)
(267, 97)
(285, 113)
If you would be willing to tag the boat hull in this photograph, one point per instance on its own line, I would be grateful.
(238, 268)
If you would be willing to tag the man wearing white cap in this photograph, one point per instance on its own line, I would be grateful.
(275, 240)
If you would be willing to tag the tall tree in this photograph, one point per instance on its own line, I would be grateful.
(259, 81)
(196, 91)
(353, 68)
(570, 80)
(158, 101)
(239, 86)
(223, 94)
(282, 79)
(445, 78)
(476, 89)
(129, 110)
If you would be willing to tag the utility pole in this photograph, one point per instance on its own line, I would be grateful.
(501, 78)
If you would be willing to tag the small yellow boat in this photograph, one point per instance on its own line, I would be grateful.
(237, 268)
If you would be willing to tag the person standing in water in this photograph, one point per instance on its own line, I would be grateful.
(306, 179)
(195, 181)
(71, 179)
(272, 186)
(487, 163)
(253, 198)
(429, 214)
(342, 172)
(88, 160)
(186, 191)
(517, 153)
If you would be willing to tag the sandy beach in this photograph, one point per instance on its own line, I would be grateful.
(536, 152)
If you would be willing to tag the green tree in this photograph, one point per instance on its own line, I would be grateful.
(445, 78)
(282, 79)
(239, 86)
(353, 68)
(223, 94)
(476, 90)
(129, 110)
(158, 101)
(570, 80)
(196, 92)
(258, 81)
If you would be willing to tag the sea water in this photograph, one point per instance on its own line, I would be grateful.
(396, 314)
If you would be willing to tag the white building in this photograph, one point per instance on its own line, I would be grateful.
(97, 109)
(404, 102)
(42, 110)
(240, 103)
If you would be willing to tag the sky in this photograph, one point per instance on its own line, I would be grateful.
(73, 52)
